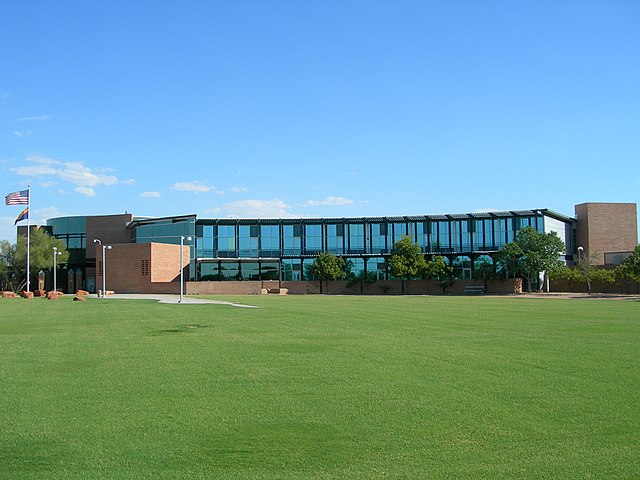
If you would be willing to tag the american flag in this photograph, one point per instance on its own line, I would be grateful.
(17, 198)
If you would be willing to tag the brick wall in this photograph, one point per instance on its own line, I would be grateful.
(389, 287)
(110, 229)
(606, 228)
(142, 268)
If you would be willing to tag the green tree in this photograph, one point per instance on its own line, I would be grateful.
(406, 261)
(438, 269)
(630, 267)
(7, 254)
(531, 253)
(40, 256)
(485, 271)
(328, 267)
(586, 271)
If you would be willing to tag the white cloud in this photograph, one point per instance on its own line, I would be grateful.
(41, 215)
(22, 134)
(4, 95)
(88, 191)
(254, 209)
(150, 194)
(47, 184)
(197, 187)
(128, 181)
(76, 173)
(329, 201)
(34, 118)
(487, 210)
(238, 189)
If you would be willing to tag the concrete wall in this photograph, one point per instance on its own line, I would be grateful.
(606, 228)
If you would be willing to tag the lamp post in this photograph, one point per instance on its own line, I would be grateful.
(104, 267)
(580, 250)
(55, 267)
(182, 239)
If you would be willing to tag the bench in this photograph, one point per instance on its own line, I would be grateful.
(474, 290)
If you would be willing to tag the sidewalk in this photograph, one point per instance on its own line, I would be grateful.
(166, 298)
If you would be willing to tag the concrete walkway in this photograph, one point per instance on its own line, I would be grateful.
(165, 298)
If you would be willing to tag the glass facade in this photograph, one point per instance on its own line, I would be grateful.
(270, 249)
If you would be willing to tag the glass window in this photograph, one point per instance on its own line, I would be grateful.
(377, 237)
(306, 267)
(248, 241)
(313, 239)
(357, 265)
(210, 272)
(356, 238)
(482, 259)
(488, 234)
(377, 266)
(399, 231)
(462, 267)
(250, 270)
(335, 239)
(422, 235)
(292, 239)
(269, 271)
(230, 271)
(292, 270)
(226, 241)
(270, 240)
(465, 233)
(478, 235)
(443, 237)
(509, 230)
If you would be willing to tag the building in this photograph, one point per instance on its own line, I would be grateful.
(145, 253)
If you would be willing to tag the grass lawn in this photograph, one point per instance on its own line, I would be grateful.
(320, 387)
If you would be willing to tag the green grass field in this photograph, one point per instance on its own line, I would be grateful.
(320, 387)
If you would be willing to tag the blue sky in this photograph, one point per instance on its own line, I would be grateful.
(317, 108)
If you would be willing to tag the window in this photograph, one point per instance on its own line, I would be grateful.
(226, 241)
(248, 240)
(313, 239)
(335, 239)
(270, 240)
(291, 237)
(356, 238)
(377, 240)
(144, 268)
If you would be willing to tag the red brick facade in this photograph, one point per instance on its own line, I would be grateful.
(142, 267)
(606, 228)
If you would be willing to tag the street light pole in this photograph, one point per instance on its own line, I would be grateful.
(99, 242)
(182, 239)
(580, 249)
(55, 267)
(104, 267)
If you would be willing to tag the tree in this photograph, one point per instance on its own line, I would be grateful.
(40, 256)
(328, 267)
(406, 260)
(7, 254)
(630, 267)
(585, 271)
(532, 252)
(437, 268)
(485, 271)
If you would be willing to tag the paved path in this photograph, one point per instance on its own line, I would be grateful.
(165, 298)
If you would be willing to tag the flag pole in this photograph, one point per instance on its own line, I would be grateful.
(28, 230)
